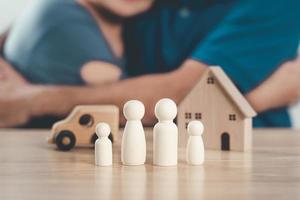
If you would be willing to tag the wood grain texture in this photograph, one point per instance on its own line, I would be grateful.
(232, 91)
(216, 98)
(32, 169)
(84, 133)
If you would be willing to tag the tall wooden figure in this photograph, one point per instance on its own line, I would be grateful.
(133, 149)
(165, 134)
(195, 146)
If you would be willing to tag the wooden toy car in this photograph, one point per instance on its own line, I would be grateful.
(78, 129)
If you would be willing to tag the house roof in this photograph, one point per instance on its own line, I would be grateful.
(235, 95)
(228, 87)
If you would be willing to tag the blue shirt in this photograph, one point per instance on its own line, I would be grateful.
(248, 38)
(50, 42)
(53, 39)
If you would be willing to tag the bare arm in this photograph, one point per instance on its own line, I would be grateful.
(148, 89)
(274, 92)
(23, 101)
(281, 89)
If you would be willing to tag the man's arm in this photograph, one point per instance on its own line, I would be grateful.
(23, 101)
(282, 88)
(274, 92)
(149, 89)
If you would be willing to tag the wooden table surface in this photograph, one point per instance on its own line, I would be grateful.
(32, 169)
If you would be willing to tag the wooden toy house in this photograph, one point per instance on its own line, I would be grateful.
(225, 113)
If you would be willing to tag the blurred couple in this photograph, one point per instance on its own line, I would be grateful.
(62, 53)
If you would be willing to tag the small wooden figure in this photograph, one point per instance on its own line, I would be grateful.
(133, 147)
(195, 146)
(165, 134)
(78, 129)
(103, 145)
(225, 113)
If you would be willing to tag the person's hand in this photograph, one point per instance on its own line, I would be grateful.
(282, 88)
(14, 104)
(15, 96)
(8, 73)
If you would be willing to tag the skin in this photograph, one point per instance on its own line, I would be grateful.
(123, 8)
(59, 100)
(112, 31)
(23, 100)
(280, 89)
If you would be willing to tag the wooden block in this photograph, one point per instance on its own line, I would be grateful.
(78, 129)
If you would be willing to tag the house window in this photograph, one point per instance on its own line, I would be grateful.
(186, 125)
(86, 120)
(232, 117)
(188, 115)
(210, 80)
(198, 115)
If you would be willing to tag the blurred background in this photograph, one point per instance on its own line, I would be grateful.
(10, 10)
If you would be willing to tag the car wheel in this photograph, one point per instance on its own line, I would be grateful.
(65, 140)
(95, 137)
